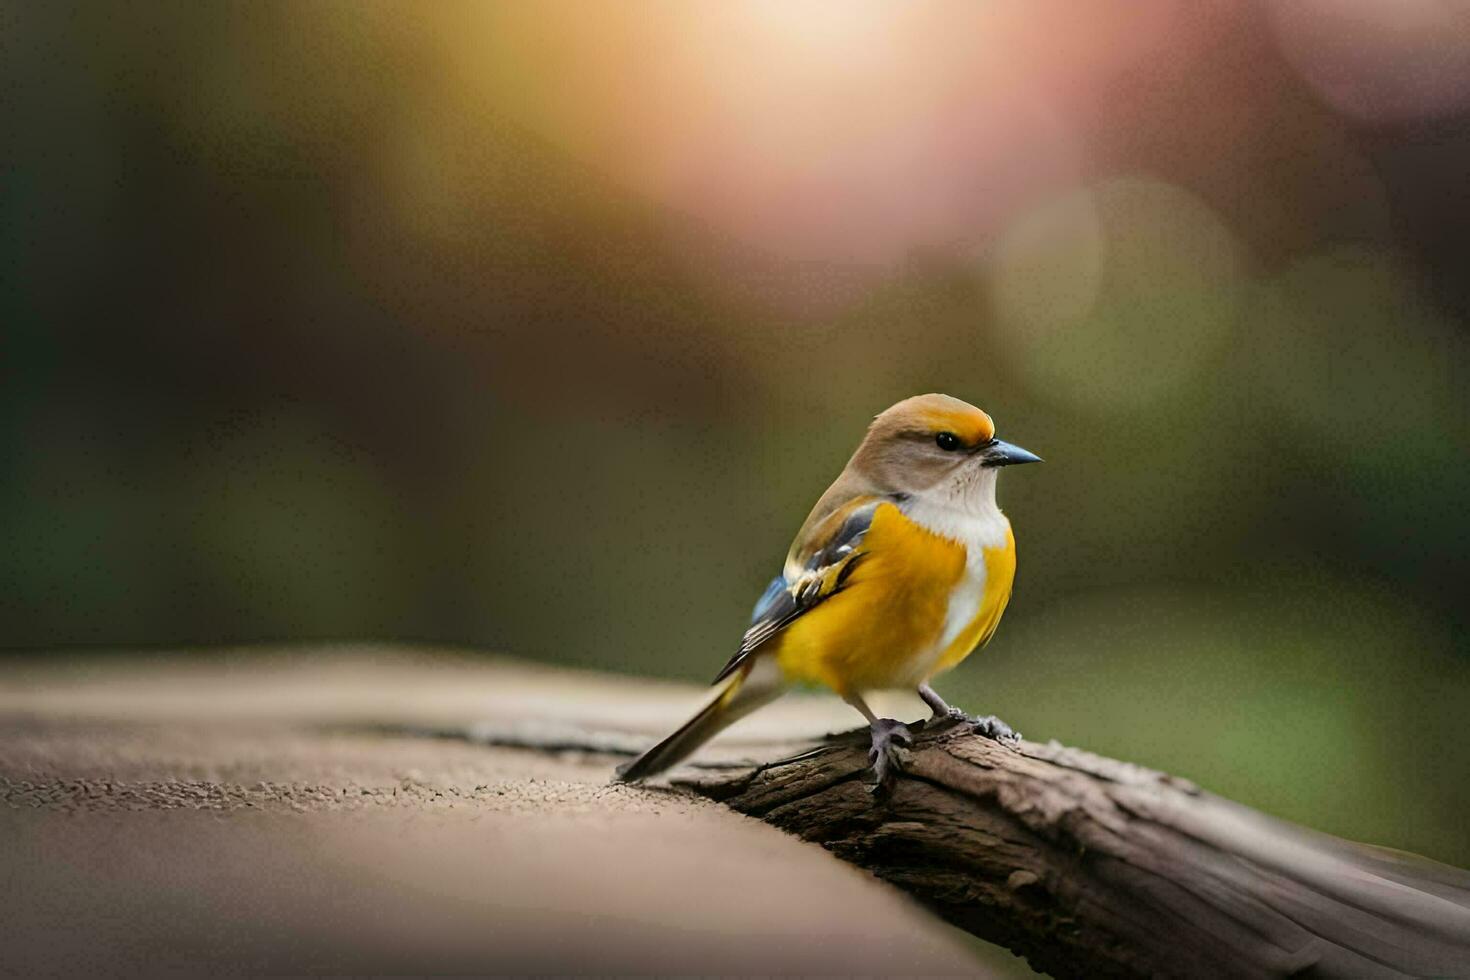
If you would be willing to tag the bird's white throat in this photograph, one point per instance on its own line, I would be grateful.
(962, 509)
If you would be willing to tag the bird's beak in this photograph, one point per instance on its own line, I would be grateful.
(997, 453)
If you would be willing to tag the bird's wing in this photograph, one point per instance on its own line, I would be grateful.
(817, 569)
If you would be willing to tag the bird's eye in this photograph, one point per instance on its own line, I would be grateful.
(947, 441)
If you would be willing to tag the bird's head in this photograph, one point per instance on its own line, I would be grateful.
(935, 444)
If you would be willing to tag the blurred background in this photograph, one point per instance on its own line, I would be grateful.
(537, 328)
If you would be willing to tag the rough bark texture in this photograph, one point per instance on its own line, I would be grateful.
(1089, 866)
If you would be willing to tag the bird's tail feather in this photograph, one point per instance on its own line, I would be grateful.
(744, 692)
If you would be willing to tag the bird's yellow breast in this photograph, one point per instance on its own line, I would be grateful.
(891, 624)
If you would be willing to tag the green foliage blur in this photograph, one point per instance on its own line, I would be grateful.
(445, 324)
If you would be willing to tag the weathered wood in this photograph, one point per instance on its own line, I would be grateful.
(1088, 866)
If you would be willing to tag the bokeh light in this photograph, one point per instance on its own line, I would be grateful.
(537, 328)
(1114, 296)
(1380, 62)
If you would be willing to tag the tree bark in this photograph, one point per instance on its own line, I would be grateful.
(1085, 865)
(1088, 866)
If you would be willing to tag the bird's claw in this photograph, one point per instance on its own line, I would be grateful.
(950, 716)
(890, 738)
(993, 728)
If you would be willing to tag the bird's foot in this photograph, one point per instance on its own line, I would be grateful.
(889, 739)
(993, 728)
(990, 726)
(949, 716)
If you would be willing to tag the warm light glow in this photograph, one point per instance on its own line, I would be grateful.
(818, 31)
(810, 132)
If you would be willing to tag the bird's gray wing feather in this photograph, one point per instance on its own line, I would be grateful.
(822, 577)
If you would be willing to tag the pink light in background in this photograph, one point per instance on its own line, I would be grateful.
(851, 146)
(813, 134)
(1379, 61)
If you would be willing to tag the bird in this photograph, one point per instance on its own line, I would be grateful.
(902, 569)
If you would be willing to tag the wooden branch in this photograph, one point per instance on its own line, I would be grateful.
(1085, 865)
(1088, 866)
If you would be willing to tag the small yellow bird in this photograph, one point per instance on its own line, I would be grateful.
(902, 569)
